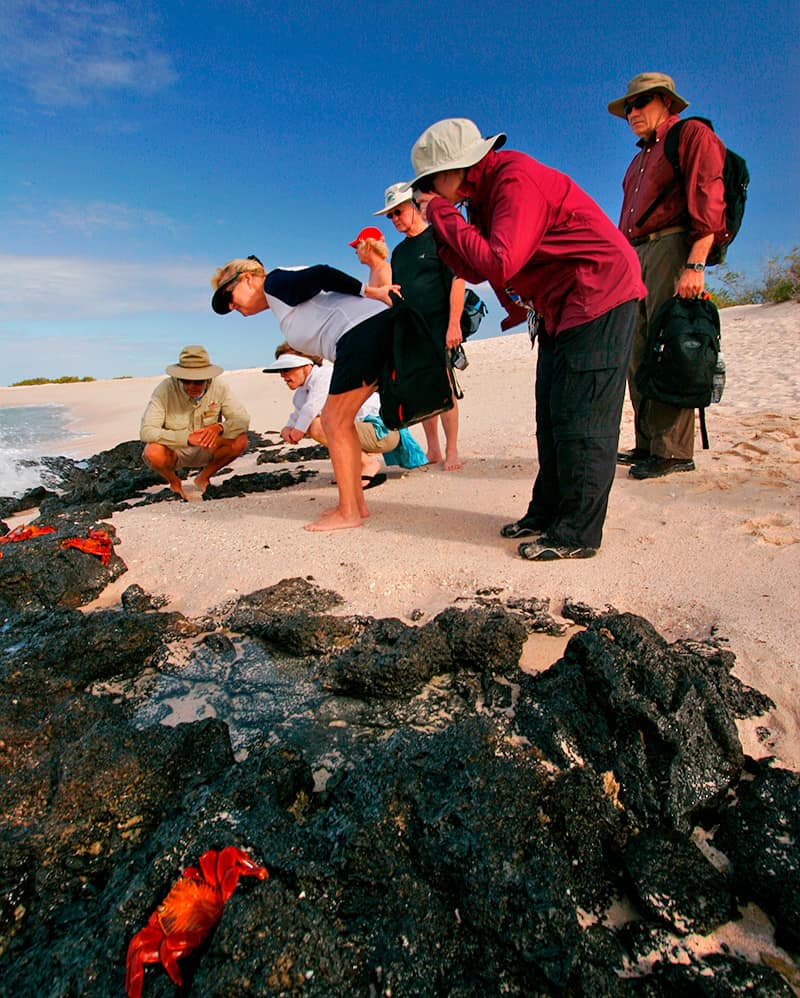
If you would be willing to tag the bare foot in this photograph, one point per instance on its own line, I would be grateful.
(362, 511)
(453, 463)
(334, 520)
(177, 488)
(434, 457)
(201, 482)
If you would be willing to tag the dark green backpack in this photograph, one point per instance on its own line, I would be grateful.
(681, 352)
(735, 178)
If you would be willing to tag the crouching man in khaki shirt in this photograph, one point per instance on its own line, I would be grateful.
(192, 421)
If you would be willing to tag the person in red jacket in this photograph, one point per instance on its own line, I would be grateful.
(555, 259)
(673, 226)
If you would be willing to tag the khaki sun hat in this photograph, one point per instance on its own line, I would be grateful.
(643, 83)
(450, 144)
(395, 195)
(194, 365)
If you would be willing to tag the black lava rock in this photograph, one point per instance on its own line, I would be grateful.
(759, 833)
(676, 884)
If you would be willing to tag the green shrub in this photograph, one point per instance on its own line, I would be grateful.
(781, 282)
(66, 379)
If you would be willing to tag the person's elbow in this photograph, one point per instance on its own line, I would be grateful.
(149, 434)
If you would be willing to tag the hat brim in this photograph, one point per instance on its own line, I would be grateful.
(221, 299)
(469, 157)
(287, 362)
(396, 204)
(194, 373)
(617, 107)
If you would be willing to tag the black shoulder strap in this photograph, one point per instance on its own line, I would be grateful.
(671, 140)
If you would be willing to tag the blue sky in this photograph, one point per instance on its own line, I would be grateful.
(144, 144)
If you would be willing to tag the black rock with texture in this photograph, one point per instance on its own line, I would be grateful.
(463, 838)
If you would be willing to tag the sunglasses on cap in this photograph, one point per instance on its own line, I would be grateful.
(641, 101)
(221, 302)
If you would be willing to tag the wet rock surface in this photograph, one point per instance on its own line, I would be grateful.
(37, 573)
(116, 479)
(434, 820)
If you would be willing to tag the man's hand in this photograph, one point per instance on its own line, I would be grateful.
(290, 435)
(207, 436)
(691, 284)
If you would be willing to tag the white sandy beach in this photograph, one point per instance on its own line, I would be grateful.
(714, 550)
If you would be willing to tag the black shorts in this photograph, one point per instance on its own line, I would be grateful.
(362, 353)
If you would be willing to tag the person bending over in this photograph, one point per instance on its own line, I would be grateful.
(547, 250)
(310, 380)
(192, 421)
(322, 311)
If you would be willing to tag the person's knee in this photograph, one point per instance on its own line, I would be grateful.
(334, 420)
(315, 431)
(239, 445)
(157, 456)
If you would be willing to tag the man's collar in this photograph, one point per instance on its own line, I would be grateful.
(660, 131)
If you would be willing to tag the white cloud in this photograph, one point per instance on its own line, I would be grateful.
(60, 287)
(65, 52)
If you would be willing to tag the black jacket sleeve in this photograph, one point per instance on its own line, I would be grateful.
(297, 286)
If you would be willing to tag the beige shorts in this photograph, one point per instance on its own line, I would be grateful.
(368, 438)
(192, 457)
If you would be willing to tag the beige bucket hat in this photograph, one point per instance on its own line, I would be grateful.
(194, 365)
(395, 195)
(643, 83)
(450, 144)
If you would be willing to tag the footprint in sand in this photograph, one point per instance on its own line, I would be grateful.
(775, 529)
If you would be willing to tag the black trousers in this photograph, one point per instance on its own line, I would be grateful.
(580, 387)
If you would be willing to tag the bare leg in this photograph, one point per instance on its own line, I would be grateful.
(225, 452)
(452, 462)
(371, 464)
(162, 460)
(338, 425)
(433, 449)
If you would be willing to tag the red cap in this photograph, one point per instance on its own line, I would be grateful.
(369, 233)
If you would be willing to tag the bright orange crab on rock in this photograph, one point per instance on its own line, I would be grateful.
(186, 916)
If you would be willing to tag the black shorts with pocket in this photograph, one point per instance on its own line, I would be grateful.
(362, 353)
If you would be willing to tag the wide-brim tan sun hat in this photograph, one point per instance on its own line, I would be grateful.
(194, 364)
(395, 195)
(450, 144)
(642, 84)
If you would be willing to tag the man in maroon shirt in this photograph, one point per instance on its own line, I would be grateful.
(548, 250)
(672, 241)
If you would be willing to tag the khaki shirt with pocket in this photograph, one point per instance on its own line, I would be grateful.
(171, 415)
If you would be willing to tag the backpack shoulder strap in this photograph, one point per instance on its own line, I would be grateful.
(671, 141)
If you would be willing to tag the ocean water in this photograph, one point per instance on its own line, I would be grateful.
(24, 432)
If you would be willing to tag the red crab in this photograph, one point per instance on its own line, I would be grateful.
(187, 914)
(97, 542)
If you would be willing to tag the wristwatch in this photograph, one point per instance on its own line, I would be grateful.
(695, 266)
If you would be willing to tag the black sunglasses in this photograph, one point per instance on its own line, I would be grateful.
(397, 211)
(642, 101)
